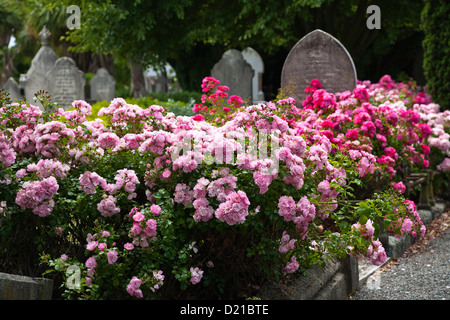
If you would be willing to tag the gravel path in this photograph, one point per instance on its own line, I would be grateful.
(423, 274)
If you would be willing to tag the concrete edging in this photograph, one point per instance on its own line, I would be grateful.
(16, 287)
(333, 282)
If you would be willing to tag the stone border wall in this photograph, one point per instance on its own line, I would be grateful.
(333, 282)
(15, 287)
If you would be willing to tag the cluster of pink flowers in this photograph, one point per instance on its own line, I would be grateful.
(183, 194)
(158, 279)
(408, 226)
(133, 287)
(90, 180)
(37, 195)
(49, 134)
(23, 140)
(7, 153)
(213, 101)
(203, 211)
(143, 229)
(287, 243)
(46, 168)
(127, 179)
(399, 186)
(196, 275)
(234, 209)
(91, 264)
(156, 142)
(108, 140)
(292, 265)
(375, 251)
(301, 213)
(107, 206)
(78, 115)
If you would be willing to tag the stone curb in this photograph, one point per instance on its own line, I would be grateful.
(16, 287)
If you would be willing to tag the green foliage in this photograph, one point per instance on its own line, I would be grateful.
(436, 63)
(179, 103)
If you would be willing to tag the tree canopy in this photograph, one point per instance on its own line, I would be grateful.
(192, 34)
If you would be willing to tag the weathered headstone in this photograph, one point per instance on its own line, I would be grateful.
(103, 86)
(160, 80)
(318, 55)
(65, 82)
(13, 88)
(236, 73)
(43, 61)
(254, 59)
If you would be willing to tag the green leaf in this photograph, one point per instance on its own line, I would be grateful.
(362, 219)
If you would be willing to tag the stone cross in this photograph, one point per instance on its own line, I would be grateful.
(236, 73)
(318, 55)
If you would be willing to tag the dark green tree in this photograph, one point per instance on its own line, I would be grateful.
(10, 26)
(192, 35)
(436, 63)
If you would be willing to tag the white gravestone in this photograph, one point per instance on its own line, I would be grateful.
(254, 59)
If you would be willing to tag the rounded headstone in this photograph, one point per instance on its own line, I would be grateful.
(318, 55)
(236, 73)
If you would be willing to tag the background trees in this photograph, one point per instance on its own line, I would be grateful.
(436, 63)
(127, 36)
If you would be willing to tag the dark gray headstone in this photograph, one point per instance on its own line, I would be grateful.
(318, 55)
(65, 82)
(13, 88)
(236, 73)
(103, 86)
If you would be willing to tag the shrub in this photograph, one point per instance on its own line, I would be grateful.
(436, 61)
(149, 205)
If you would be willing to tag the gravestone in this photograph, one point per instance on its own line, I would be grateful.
(13, 88)
(161, 80)
(236, 73)
(103, 86)
(318, 55)
(254, 59)
(65, 82)
(43, 61)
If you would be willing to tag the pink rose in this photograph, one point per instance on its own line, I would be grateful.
(91, 263)
(112, 256)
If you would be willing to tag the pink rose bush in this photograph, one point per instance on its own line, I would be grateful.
(146, 203)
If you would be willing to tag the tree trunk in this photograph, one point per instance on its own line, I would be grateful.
(8, 66)
(137, 81)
